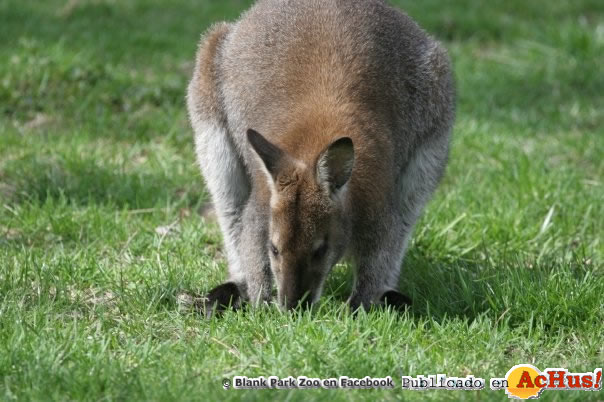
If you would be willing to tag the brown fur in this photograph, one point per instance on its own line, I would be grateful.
(323, 84)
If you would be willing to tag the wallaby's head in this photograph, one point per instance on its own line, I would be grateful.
(308, 226)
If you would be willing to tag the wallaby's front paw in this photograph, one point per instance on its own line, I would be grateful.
(391, 298)
(221, 298)
(396, 300)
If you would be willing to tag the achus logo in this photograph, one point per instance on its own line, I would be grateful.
(525, 381)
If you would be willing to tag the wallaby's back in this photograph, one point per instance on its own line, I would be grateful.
(356, 61)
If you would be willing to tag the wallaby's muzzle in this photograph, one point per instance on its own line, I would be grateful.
(295, 291)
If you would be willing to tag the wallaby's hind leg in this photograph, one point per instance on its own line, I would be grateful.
(379, 261)
(222, 168)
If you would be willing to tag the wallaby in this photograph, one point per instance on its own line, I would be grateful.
(322, 127)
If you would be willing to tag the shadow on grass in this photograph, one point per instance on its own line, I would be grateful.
(513, 293)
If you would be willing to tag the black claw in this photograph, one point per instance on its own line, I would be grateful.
(396, 299)
(221, 298)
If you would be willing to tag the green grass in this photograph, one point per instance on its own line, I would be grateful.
(506, 265)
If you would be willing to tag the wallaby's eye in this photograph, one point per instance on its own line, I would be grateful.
(320, 252)
(274, 250)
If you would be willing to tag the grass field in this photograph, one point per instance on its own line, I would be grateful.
(101, 239)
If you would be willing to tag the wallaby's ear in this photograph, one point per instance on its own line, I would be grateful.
(335, 163)
(270, 154)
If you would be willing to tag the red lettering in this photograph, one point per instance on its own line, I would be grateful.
(556, 377)
(587, 381)
(540, 381)
(574, 381)
(525, 380)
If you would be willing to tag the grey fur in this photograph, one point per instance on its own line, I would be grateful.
(256, 72)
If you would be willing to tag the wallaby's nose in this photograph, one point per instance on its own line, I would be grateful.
(295, 289)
